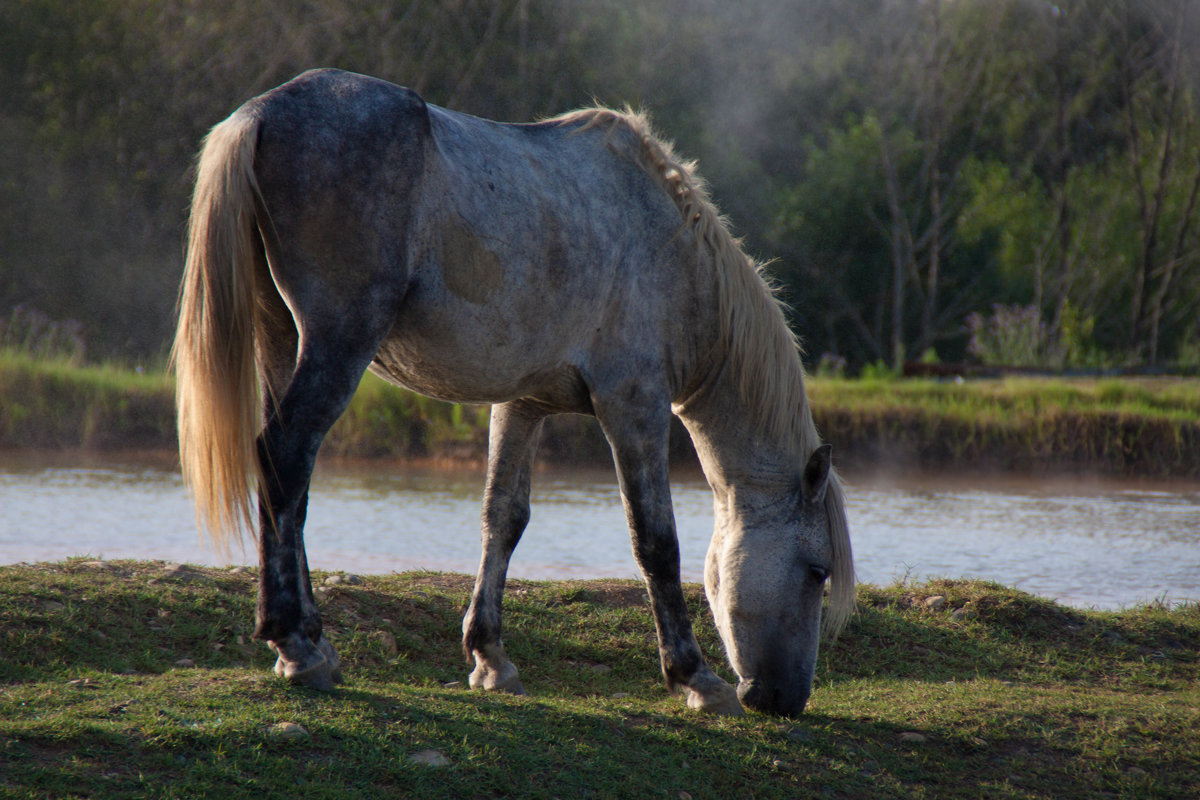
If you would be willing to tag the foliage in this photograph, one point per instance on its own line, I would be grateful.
(908, 163)
(33, 333)
(998, 695)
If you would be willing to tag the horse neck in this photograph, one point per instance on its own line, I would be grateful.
(738, 451)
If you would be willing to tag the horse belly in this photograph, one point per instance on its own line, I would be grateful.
(477, 356)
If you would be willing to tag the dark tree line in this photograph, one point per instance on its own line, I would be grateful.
(1016, 180)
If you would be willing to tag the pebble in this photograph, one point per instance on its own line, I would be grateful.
(288, 730)
(430, 758)
(619, 695)
(935, 603)
(388, 642)
(912, 737)
(963, 614)
(185, 663)
(338, 579)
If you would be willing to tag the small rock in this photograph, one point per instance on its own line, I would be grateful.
(912, 737)
(1136, 773)
(963, 614)
(430, 758)
(287, 731)
(684, 796)
(935, 603)
(619, 695)
(388, 642)
(185, 663)
(237, 571)
(53, 605)
(333, 580)
(601, 669)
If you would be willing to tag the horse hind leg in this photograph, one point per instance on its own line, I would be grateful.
(304, 394)
(513, 437)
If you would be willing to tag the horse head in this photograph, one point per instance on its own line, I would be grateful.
(765, 579)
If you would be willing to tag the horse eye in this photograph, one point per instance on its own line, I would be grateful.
(819, 574)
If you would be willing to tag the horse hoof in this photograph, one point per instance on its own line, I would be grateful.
(302, 663)
(718, 698)
(501, 679)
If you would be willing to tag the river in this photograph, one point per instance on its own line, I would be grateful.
(1087, 543)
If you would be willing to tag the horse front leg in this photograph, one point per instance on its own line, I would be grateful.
(512, 443)
(637, 430)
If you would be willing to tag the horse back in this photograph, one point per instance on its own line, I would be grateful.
(516, 256)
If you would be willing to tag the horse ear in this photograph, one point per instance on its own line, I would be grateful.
(816, 475)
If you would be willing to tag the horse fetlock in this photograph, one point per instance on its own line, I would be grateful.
(304, 663)
(494, 672)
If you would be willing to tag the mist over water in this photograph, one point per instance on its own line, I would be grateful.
(1105, 544)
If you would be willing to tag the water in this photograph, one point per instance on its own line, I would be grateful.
(1103, 544)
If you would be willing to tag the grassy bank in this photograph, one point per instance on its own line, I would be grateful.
(1130, 426)
(1126, 426)
(995, 694)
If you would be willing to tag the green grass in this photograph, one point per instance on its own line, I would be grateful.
(1127, 426)
(54, 404)
(996, 695)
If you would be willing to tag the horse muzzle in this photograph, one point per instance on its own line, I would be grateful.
(784, 701)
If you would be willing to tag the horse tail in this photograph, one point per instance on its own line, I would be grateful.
(213, 356)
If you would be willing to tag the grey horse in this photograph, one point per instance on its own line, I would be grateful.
(339, 223)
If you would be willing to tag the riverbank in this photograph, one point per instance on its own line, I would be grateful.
(1111, 426)
(135, 679)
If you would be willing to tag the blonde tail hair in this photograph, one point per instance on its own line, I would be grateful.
(213, 357)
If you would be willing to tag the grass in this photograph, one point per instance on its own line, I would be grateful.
(1126, 426)
(995, 694)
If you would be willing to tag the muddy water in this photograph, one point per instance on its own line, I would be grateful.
(1086, 543)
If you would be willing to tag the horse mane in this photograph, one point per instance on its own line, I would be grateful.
(763, 352)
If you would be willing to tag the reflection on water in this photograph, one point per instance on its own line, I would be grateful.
(1105, 544)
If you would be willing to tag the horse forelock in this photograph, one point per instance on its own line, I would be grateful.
(763, 353)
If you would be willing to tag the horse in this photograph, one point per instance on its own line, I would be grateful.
(340, 223)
